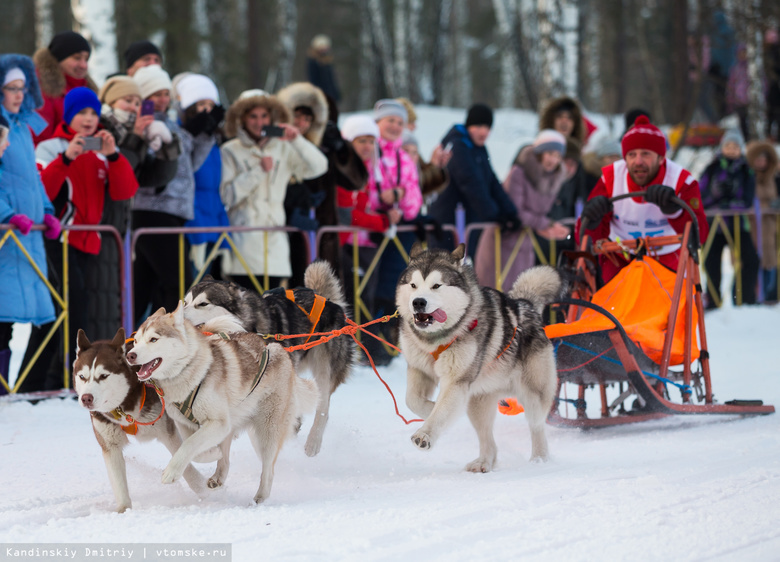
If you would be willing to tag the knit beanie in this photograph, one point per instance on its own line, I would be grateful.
(15, 73)
(138, 49)
(407, 137)
(644, 135)
(194, 88)
(67, 43)
(78, 99)
(359, 126)
(735, 136)
(549, 140)
(389, 107)
(118, 87)
(151, 79)
(479, 114)
(608, 148)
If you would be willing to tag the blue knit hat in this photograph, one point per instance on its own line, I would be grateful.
(78, 99)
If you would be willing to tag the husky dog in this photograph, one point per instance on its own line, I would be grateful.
(478, 345)
(218, 385)
(275, 313)
(109, 388)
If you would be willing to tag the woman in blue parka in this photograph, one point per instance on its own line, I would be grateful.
(24, 297)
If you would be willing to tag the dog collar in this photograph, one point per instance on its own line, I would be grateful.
(443, 347)
(118, 414)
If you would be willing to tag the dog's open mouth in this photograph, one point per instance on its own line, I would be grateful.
(423, 319)
(147, 370)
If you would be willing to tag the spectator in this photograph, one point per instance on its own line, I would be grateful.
(319, 67)
(763, 160)
(77, 179)
(433, 175)
(411, 114)
(141, 53)
(61, 66)
(698, 76)
(723, 51)
(772, 71)
(644, 167)
(473, 184)
(631, 116)
(256, 169)
(156, 272)
(564, 115)
(533, 185)
(728, 183)
(24, 296)
(608, 152)
(738, 90)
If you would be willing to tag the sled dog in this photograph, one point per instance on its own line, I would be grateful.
(300, 311)
(218, 385)
(477, 345)
(109, 388)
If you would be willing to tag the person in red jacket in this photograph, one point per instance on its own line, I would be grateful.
(61, 66)
(644, 167)
(77, 176)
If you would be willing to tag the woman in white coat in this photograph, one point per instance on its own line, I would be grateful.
(256, 168)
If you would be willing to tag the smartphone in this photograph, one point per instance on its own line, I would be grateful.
(147, 107)
(93, 143)
(447, 148)
(272, 131)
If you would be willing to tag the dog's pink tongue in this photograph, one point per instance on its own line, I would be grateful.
(439, 315)
(145, 371)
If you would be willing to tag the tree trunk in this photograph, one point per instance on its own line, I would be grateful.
(416, 66)
(382, 43)
(280, 73)
(401, 26)
(366, 68)
(44, 23)
(681, 87)
(179, 55)
(461, 57)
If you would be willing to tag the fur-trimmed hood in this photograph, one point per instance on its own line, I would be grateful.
(592, 163)
(765, 180)
(32, 99)
(241, 106)
(547, 116)
(53, 82)
(308, 95)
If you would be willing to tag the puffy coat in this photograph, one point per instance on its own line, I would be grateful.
(766, 193)
(23, 295)
(209, 210)
(397, 169)
(254, 197)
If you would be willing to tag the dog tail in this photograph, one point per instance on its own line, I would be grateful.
(539, 285)
(319, 277)
(224, 323)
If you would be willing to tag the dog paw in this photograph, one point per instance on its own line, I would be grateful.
(479, 465)
(422, 440)
(311, 449)
(259, 498)
(538, 459)
(214, 483)
(170, 475)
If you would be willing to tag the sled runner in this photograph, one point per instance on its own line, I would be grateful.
(639, 342)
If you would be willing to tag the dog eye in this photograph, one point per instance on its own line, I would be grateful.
(82, 377)
(102, 376)
(201, 305)
(436, 286)
(412, 285)
(152, 340)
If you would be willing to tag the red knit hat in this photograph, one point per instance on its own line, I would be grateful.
(644, 135)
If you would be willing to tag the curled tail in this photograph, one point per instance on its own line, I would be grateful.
(320, 278)
(539, 285)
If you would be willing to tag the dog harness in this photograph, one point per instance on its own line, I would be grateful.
(185, 407)
(132, 429)
(445, 346)
(314, 314)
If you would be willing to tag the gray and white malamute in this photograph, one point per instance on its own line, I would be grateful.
(217, 385)
(109, 388)
(318, 307)
(477, 345)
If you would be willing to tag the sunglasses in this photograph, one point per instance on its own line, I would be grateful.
(15, 90)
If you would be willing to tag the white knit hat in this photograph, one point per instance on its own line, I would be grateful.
(549, 140)
(152, 79)
(359, 126)
(194, 88)
(255, 92)
(14, 74)
(387, 107)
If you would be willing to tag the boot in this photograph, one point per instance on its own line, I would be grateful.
(5, 363)
(769, 278)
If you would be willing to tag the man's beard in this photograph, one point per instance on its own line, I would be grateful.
(650, 173)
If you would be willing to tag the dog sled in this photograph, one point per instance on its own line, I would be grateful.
(638, 344)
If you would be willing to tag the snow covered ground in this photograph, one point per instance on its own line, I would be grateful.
(686, 488)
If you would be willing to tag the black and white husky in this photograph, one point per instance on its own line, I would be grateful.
(275, 313)
(477, 345)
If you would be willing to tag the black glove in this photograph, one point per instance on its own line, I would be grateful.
(206, 121)
(595, 210)
(316, 198)
(299, 219)
(510, 223)
(217, 116)
(662, 195)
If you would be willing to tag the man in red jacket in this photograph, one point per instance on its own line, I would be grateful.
(644, 167)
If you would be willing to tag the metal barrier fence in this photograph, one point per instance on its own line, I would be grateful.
(59, 299)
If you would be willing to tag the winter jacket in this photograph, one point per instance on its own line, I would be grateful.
(355, 210)
(177, 198)
(78, 188)
(686, 189)
(209, 210)
(727, 184)
(55, 84)
(152, 169)
(738, 86)
(319, 71)
(254, 197)
(533, 192)
(397, 169)
(23, 294)
(766, 193)
(472, 184)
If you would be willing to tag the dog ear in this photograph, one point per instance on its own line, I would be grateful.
(417, 249)
(82, 342)
(160, 312)
(119, 339)
(178, 314)
(207, 277)
(458, 253)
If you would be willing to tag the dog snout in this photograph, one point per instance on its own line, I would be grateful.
(131, 356)
(419, 304)
(87, 400)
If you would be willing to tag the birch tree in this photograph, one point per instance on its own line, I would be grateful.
(280, 73)
(400, 26)
(382, 42)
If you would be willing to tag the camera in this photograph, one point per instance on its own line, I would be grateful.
(92, 143)
(272, 131)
